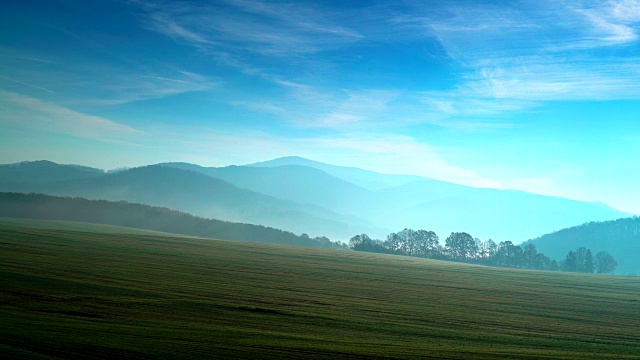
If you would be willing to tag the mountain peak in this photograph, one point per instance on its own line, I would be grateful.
(286, 160)
(32, 163)
(367, 179)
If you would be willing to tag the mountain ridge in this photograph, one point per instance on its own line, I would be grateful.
(445, 207)
(310, 200)
(201, 195)
(367, 179)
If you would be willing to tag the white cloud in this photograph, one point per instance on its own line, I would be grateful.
(494, 91)
(627, 10)
(166, 25)
(124, 87)
(532, 79)
(360, 108)
(519, 56)
(79, 81)
(515, 56)
(610, 24)
(478, 31)
(29, 113)
(273, 29)
(28, 85)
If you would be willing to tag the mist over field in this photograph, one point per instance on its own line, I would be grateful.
(319, 179)
(302, 202)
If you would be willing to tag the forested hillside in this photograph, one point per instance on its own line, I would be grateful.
(182, 190)
(619, 237)
(306, 197)
(38, 206)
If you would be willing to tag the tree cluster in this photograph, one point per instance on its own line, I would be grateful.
(462, 247)
(624, 233)
(583, 261)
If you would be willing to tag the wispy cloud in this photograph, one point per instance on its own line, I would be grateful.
(125, 87)
(27, 84)
(30, 113)
(279, 42)
(475, 31)
(164, 24)
(518, 56)
(273, 29)
(358, 109)
(514, 56)
(613, 21)
(308, 106)
(98, 74)
(529, 82)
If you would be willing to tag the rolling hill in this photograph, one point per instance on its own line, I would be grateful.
(44, 207)
(91, 227)
(38, 172)
(366, 179)
(300, 184)
(399, 201)
(620, 238)
(200, 195)
(66, 294)
(305, 196)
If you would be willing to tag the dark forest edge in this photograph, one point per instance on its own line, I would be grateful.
(458, 247)
(45, 207)
(462, 247)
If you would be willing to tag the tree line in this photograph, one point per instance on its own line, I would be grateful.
(462, 247)
(45, 207)
(459, 246)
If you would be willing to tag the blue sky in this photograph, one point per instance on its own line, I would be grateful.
(542, 96)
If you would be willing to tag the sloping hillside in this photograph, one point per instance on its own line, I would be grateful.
(301, 184)
(200, 195)
(307, 199)
(38, 172)
(419, 203)
(370, 180)
(620, 238)
(38, 206)
(77, 295)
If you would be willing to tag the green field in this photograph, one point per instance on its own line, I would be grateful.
(71, 294)
(81, 226)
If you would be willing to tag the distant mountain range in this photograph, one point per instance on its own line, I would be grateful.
(190, 192)
(620, 238)
(366, 179)
(400, 201)
(305, 196)
(42, 172)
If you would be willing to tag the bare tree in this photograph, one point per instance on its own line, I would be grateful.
(605, 263)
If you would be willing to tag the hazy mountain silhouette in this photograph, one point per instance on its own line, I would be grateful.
(310, 199)
(504, 214)
(201, 195)
(420, 203)
(620, 238)
(364, 178)
(31, 172)
(301, 184)
(45, 207)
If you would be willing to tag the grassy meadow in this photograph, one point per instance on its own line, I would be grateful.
(82, 294)
(81, 226)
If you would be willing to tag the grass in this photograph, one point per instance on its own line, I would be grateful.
(70, 294)
(81, 226)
